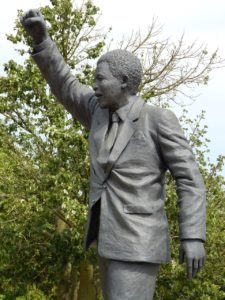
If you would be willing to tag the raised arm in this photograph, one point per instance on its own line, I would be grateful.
(78, 99)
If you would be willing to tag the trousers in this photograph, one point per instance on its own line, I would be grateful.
(122, 280)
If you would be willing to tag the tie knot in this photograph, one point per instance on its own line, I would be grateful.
(115, 118)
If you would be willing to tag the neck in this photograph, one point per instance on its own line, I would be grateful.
(124, 101)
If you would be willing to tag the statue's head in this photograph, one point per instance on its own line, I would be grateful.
(124, 65)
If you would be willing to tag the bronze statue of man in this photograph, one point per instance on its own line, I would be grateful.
(132, 145)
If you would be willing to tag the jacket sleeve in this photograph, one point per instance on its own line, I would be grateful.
(77, 98)
(180, 160)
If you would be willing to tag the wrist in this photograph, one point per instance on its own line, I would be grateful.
(39, 40)
(41, 46)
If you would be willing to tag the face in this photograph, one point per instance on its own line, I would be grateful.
(108, 89)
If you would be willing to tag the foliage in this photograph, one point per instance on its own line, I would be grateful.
(44, 163)
(45, 190)
(209, 283)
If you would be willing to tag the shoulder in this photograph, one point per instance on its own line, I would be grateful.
(160, 115)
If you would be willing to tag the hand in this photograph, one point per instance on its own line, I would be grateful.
(193, 252)
(35, 25)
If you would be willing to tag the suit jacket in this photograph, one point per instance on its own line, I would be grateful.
(133, 223)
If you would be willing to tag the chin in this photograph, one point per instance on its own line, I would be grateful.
(102, 104)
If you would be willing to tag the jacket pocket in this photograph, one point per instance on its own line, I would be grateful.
(138, 209)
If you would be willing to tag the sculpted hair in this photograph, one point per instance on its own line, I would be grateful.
(124, 63)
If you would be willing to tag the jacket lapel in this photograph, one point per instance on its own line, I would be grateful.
(126, 131)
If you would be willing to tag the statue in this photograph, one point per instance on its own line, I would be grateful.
(131, 145)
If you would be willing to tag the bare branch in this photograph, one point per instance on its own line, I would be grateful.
(170, 66)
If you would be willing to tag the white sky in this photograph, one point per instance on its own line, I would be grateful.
(199, 19)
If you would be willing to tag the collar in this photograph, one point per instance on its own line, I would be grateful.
(124, 110)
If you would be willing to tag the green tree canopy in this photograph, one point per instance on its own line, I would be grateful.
(44, 162)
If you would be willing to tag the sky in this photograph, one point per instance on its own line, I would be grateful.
(203, 20)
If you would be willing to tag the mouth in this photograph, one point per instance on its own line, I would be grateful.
(98, 95)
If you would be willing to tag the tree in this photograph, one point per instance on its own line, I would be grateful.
(209, 284)
(46, 188)
(57, 147)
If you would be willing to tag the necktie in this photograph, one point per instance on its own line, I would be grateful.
(112, 134)
(109, 140)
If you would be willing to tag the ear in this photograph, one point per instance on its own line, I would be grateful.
(124, 82)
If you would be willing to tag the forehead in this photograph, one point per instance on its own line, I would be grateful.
(103, 68)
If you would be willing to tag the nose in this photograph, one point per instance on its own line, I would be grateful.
(95, 86)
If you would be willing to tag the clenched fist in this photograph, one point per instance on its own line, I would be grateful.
(35, 25)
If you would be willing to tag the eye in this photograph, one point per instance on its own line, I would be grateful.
(99, 77)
